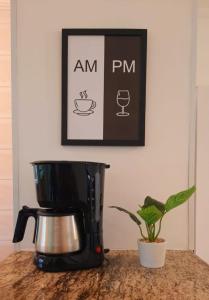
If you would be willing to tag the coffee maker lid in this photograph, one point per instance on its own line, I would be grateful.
(68, 162)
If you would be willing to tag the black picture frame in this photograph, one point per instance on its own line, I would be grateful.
(139, 140)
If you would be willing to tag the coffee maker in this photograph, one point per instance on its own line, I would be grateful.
(68, 231)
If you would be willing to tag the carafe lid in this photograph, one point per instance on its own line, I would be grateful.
(56, 213)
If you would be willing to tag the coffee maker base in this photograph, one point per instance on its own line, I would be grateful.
(61, 263)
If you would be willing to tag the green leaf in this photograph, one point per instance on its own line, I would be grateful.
(179, 198)
(131, 215)
(150, 214)
(150, 201)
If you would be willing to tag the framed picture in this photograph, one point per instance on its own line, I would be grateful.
(103, 86)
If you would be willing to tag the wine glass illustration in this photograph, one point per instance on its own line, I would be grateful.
(123, 99)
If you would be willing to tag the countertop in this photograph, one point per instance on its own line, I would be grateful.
(184, 276)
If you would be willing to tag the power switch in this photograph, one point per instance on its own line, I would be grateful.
(98, 249)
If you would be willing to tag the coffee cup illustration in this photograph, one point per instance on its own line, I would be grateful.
(83, 105)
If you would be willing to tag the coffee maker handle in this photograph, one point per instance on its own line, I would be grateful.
(22, 219)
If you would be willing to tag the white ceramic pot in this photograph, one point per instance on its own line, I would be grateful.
(152, 255)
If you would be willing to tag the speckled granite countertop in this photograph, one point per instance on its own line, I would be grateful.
(183, 277)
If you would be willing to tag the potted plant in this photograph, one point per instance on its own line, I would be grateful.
(151, 247)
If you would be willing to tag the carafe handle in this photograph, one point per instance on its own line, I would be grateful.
(22, 219)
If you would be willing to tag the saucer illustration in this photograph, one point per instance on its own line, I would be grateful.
(84, 106)
(83, 113)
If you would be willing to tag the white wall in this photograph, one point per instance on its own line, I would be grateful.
(6, 209)
(202, 75)
(158, 169)
(202, 203)
(202, 81)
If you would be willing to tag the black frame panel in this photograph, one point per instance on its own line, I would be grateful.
(142, 33)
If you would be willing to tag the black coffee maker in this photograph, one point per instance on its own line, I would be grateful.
(68, 231)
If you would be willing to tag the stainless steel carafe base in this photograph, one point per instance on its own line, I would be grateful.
(58, 234)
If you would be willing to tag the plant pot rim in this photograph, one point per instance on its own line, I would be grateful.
(158, 242)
